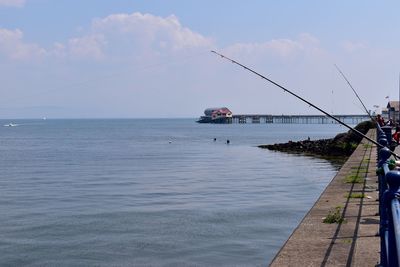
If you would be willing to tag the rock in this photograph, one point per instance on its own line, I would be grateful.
(342, 144)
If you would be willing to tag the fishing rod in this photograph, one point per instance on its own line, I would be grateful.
(304, 100)
(352, 88)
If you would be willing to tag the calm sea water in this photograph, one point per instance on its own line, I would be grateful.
(152, 192)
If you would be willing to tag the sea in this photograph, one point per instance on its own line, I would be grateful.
(153, 192)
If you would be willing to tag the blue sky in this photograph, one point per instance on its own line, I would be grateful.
(139, 59)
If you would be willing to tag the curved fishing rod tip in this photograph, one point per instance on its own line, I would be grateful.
(215, 52)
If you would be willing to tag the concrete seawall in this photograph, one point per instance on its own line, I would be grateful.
(354, 242)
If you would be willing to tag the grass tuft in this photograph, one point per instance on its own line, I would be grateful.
(367, 145)
(353, 179)
(355, 195)
(334, 216)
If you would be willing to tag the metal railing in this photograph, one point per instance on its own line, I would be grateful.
(389, 204)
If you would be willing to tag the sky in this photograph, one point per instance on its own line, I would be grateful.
(151, 58)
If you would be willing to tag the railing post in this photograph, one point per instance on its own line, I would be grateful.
(388, 222)
(383, 156)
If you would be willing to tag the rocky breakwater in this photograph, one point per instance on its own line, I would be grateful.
(342, 144)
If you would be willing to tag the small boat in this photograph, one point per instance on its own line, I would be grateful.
(10, 125)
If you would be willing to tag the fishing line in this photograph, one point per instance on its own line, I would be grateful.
(302, 99)
(352, 88)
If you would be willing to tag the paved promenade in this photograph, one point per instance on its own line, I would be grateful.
(353, 242)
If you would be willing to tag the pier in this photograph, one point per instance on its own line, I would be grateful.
(222, 115)
(297, 119)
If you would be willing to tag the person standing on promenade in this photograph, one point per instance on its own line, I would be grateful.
(380, 120)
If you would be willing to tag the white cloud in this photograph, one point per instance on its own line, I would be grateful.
(117, 36)
(13, 46)
(12, 3)
(127, 36)
(151, 30)
(90, 46)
